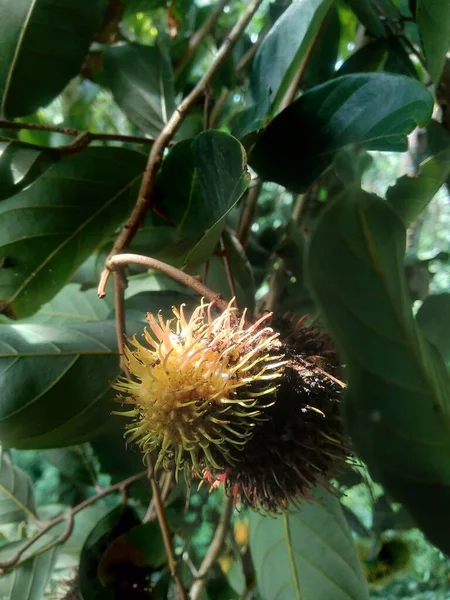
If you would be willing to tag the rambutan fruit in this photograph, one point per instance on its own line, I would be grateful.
(200, 386)
(252, 406)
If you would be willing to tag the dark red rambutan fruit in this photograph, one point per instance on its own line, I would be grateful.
(252, 406)
(300, 443)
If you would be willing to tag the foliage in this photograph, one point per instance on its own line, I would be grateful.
(286, 153)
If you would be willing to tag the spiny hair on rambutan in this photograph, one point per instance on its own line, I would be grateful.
(200, 386)
(301, 443)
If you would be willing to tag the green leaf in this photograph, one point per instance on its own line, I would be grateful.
(16, 492)
(397, 404)
(72, 305)
(409, 196)
(283, 50)
(43, 46)
(321, 63)
(141, 546)
(74, 463)
(141, 81)
(20, 167)
(200, 183)
(221, 164)
(306, 554)
(433, 20)
(27, 582)
(433, 318)
(114, 524)
(56, 383)
(49, 229)
(367, 13)
(376, 110)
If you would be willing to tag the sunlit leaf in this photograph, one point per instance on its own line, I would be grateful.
(307, 553)
(40, 54)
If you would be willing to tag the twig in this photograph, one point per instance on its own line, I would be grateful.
(121, 260)
(218, 105)
(248, 213)
(144, 200)
(228, 270)
(165, 483)
(164, 528)
(247, 57)
(199, 36)
(213, 550)
(119, 304)
(396, 27)
(90, 135)
(278, 278)
(13, 561)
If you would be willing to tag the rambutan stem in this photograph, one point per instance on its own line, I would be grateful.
(161, 516)
(214, 549)
(120, 260)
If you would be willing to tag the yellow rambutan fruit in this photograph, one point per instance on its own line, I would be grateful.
(200, 386)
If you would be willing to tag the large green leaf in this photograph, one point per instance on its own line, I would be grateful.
(27, 582)
(283, 50)
(367, 13)
(56, 383)
(376, 110)
(20, 166)
(141, 81)
(433, 20)
(411, 195)
(72, 305)
(114, 524)
(16, 492)
(49, 229)
(307, 554)
(433, 317)
(221, 164)
(397, 405)
(75, 463)
(200, 182)
(43, 45)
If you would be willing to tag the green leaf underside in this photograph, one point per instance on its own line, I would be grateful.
(28, 582)
(74, 463)
(200, 183)
(397, 405)
(306, 554)
(16, 492)
(376, 110)
(433, 20)
(48, 230)
(41, 53)
(433, 318)
(141, 81)
(56, 383)
(410, 195)
(283, 50)
(20, 166)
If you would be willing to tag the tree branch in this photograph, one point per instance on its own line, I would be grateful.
(88, 135)
(197, 286)
(119, 303)
(229, 272)
(200, 35)
(213, 550)
(14, 560)
(161, 515)
(144, 200)
(248, 213)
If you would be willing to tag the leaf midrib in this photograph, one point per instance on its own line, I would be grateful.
(79, 229)
(16, 55)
